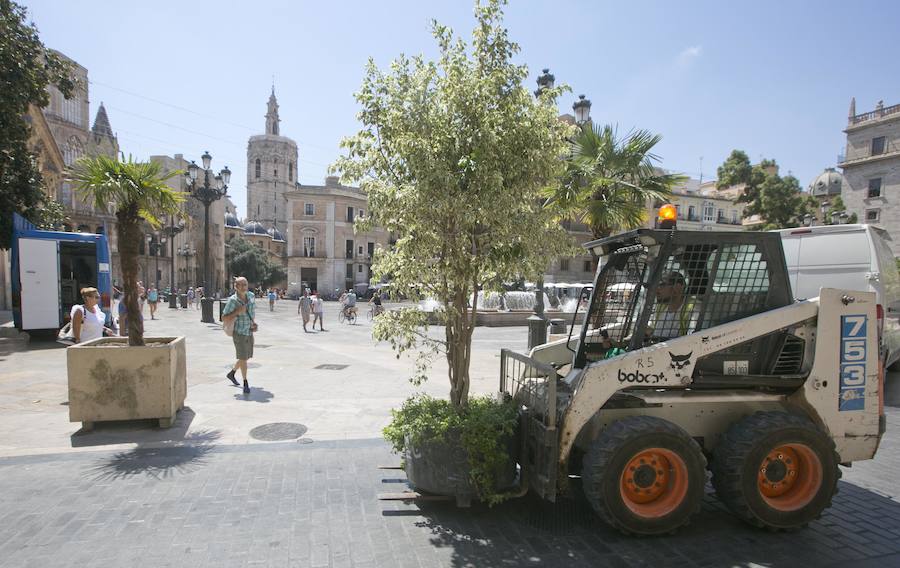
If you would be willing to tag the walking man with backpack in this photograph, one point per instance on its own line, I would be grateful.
(238, 317)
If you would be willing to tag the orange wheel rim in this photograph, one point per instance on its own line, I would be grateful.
(789, 477)
(654, 482)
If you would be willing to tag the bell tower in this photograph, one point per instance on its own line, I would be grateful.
(271, 171)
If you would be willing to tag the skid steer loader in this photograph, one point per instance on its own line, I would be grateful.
(709, 363)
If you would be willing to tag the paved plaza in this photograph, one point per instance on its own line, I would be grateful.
(213, 491)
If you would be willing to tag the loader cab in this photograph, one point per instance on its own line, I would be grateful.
(655, 285)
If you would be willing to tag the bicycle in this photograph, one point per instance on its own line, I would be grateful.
(347, 315)
(374, 311)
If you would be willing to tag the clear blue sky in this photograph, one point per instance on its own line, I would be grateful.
(773, 78)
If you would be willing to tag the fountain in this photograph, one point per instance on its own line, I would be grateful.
(496, 309)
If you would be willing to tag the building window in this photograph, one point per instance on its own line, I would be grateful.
(349, 274)
(874, 187)
(708, 211)
(309, 246)
(291, 171)
(734, 216)
(564, 264)
(310, 209)
(65, 196)
(692, 213)
(359, 268)
(362, 213)
(73, 150)
(349, 214)
(587, 265)
(258, 168)
(878, 145)
(720, 215)
(275, 169)
(348, 249)
(872, 215)
(360, 250)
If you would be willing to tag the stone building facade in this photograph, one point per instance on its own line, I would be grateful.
(702, 207)
(871, 167)
(68, 121)
(323, 250)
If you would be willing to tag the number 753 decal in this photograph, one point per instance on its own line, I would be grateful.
(853, 362)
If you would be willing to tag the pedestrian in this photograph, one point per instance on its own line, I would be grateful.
(199, 296)
(88, 319)
(242, 309)
(304, 307)
(142, 296)
(190, 297)
(152, 299)
(272, 297)
(123, 318)
(318, 305)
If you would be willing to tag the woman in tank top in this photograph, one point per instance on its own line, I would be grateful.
(88, 320)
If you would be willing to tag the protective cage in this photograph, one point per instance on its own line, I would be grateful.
(658, 285)
(532, 385)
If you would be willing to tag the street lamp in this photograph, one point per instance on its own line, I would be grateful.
(545, 81)
(154, 248)
(207, 193)
(171, 231)
(582, 108)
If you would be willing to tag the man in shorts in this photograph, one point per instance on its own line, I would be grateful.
(241, 308)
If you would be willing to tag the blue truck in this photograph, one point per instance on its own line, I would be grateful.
(49, 268)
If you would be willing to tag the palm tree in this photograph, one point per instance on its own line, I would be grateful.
(139, 194)
(609, 180)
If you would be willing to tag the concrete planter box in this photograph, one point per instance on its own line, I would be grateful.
(108, 380)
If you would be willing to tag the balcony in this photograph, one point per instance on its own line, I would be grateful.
(873, 115)
(891, 150)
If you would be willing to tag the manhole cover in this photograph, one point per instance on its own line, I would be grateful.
(331, 367)
(278, 431)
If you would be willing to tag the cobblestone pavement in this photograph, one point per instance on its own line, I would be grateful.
(314, 504)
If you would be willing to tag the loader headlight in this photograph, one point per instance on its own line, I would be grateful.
(667, 217)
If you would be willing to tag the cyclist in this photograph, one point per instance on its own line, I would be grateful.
(349, 303)
(376, 300)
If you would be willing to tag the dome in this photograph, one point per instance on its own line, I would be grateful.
(275, 234)
(231, 220)
(254, 228)
(828, 183)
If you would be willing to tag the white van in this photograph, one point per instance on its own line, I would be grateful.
(857, 257)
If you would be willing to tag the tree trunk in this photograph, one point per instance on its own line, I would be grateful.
(459, 349)
(129, 233)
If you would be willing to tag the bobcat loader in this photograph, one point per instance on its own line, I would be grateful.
(709, 364)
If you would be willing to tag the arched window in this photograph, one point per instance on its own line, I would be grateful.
(291, 171)
(258, 168)
(275, 169)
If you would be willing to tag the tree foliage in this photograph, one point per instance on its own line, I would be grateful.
(778, 200)
(453, 155)
(250, 261)
(26, 69)
(51, 216)
(138, 193)
(608, 179)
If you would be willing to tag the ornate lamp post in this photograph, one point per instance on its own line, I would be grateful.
(154, 248)
(171, 231)
(209, 192)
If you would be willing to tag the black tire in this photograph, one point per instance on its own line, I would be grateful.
(747, 463)
(614, 495)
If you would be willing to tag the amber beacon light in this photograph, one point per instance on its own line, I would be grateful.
(667, 217)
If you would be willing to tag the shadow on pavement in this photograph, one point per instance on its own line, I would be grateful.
(256, 395)
(529, 531)
(157, 461)
(134, 431)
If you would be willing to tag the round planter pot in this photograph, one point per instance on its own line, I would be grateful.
(442, 468)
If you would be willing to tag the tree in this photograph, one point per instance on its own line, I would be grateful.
(245, 259)
(26, 69)
(139, 193)
(779, 201)
(608, 180)
(52, 215)
(453, 155)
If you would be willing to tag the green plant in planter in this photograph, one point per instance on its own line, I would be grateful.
(483, 428)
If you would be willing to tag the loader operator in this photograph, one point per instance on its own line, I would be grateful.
(675, 314)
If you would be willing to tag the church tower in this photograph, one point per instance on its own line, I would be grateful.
(271, 172)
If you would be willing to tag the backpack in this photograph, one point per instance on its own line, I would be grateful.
(228, 326)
